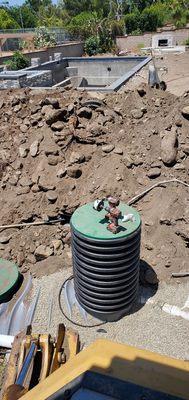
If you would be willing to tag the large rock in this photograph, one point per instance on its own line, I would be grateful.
(5, 239)
(56, 115)
(137, 113)
(108, 148)
(169, 147)
(25, 181)
(43, 252)
(57, 126)
(45, 185)
(50, 101)
(52, 196)
(154, 173)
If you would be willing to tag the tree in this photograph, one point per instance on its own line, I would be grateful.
(6, 21)
(84, 25)
(24, 15)
(179, 12)
(132, 22)
(75, 7)
(36, 4)
(148, 20)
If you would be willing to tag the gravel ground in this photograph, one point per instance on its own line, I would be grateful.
(149, 327)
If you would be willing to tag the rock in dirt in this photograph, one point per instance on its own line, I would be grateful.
(61, 172)
(25, 181)
(50, 101)
(51, 196)
(13, 180)
(23, 128)
(184, 234)
(23, 151)
(43, 252)
(57, 243)
(108, 148)
(34, 148)
(185, 149)
(169, 147)
(74, 172)
(71, 108)
(23, 190)
(85, 112)
(154, 173)
(56, 115)
(52, 160)
(137, 113)
(118, 150)
(45, 185)
(5, 239)
(76, 157)
(46, 110)
(57, 126)
(185, 112)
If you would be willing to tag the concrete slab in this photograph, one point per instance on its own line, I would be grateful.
(149, 327)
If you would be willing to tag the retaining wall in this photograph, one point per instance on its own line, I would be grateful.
(135, 42)
(72, 49)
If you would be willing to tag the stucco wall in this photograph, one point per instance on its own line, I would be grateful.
(133, 43)
(68, 50)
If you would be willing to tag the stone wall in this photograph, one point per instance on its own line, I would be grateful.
(135, 42)
(9, 84)
(39, 79)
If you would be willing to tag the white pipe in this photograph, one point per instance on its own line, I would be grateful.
(6, 341)
(176, 311)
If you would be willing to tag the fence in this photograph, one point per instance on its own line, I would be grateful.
(11, 44)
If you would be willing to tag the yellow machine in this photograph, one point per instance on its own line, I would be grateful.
(106, 371)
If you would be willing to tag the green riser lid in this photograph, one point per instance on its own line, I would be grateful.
(9, 279)
(92, 223)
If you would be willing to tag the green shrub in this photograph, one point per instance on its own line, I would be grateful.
(92, 45)
(84, 25)
(136, 32)
(148, 20)
(187, 42)
(117, 28)
(132, 22)
(18, 61)
(44, 37)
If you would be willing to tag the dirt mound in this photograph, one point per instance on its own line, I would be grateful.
(60, 150)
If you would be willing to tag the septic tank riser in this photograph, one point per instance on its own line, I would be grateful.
(106, 270)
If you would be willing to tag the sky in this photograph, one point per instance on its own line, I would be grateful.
(18, 2)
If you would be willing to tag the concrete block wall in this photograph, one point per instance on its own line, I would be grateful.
(133, 43)
(72, 49)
